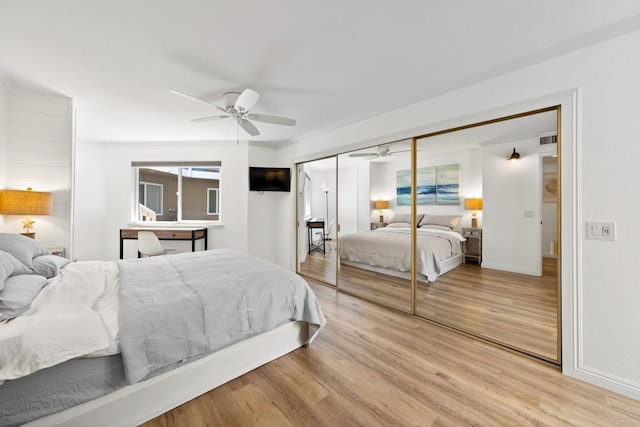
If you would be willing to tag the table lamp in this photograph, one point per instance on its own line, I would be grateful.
(380, 205)
(26, 202)
(474, 205)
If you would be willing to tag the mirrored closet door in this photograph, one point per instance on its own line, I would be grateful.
(316, 219)
(374, 243)
(501, 283)
(474, 250)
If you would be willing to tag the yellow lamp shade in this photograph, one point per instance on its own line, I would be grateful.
(381, 204)
(21, 202)
(474, 204)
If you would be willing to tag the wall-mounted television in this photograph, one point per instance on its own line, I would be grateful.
(269, 179)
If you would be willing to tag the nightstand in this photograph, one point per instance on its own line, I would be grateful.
(376, 225)
(57, 251)
(472, 247)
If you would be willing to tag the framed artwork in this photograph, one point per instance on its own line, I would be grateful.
(448, 185)
(436, 185)
(549, 188)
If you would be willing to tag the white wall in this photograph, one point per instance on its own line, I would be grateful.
(364, 196)
(597, 88)
(4, 100)
(38, 154)
(265, 227)
(90, 210)
(470, 163)
(511, 240)
(117, 192)
(348, 199)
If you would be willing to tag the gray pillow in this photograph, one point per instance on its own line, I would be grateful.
(405, 218)
(9, 266)
(18, 293)
(22, 247)
(450, 221)
(49, 265)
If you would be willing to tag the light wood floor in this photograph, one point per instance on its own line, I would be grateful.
(373, 366)
(516, 310)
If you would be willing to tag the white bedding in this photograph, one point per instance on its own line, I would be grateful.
(391, 248)
(75, 315)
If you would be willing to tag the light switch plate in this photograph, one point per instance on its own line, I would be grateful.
(601, 231)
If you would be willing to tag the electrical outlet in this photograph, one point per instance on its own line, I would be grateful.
(601, 231)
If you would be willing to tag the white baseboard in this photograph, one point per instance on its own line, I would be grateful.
(606, 381)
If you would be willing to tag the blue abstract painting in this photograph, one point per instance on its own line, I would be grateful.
(435, 185)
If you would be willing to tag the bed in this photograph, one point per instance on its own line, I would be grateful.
(119, 343)
(388, 249)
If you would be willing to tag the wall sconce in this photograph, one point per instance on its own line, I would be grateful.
(514, 156)
(474, 205)
(21, 202)
(380, 205)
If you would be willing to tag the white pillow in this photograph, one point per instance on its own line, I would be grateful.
(450, 221)
(399, 225)
(435, 227)
(406, 218)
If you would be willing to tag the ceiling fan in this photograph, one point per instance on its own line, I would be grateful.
(381, 151)
(237, 106)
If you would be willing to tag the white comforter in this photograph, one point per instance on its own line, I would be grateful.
(75, 315)
(391, 248)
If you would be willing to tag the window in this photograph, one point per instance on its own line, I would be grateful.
(177, 192)
(150, 196)
(212, 201)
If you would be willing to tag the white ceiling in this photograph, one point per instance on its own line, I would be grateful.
(324, 63)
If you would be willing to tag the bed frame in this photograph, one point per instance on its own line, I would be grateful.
(143, 401)
(447, 265)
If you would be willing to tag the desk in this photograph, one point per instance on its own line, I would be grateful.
(312, 225)
(191, 234)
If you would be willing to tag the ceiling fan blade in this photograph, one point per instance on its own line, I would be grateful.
(193, 98)
(248, 127)
(247, 99)
(363, 154)
(210, 118)
(274, 120)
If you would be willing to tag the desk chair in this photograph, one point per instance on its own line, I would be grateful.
(327, 233)
(149, 245)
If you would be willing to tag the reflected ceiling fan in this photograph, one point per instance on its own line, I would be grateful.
(237, 106)
(381, 151)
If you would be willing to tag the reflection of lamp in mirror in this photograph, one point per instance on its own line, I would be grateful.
(380, 205)
(21, 202)
(474, 205)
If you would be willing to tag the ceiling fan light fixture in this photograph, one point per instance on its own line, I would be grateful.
(237, 106)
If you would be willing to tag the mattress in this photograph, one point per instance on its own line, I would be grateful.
(53, 389)
(390, 248)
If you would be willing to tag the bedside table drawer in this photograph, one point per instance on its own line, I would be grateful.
(472, 233)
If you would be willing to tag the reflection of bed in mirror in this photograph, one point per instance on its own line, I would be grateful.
(388, 250)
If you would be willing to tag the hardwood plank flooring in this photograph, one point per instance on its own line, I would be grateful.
(321, 266)
(374, 366)
(515, 310)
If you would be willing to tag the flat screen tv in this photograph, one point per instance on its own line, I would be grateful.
(269, 179)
